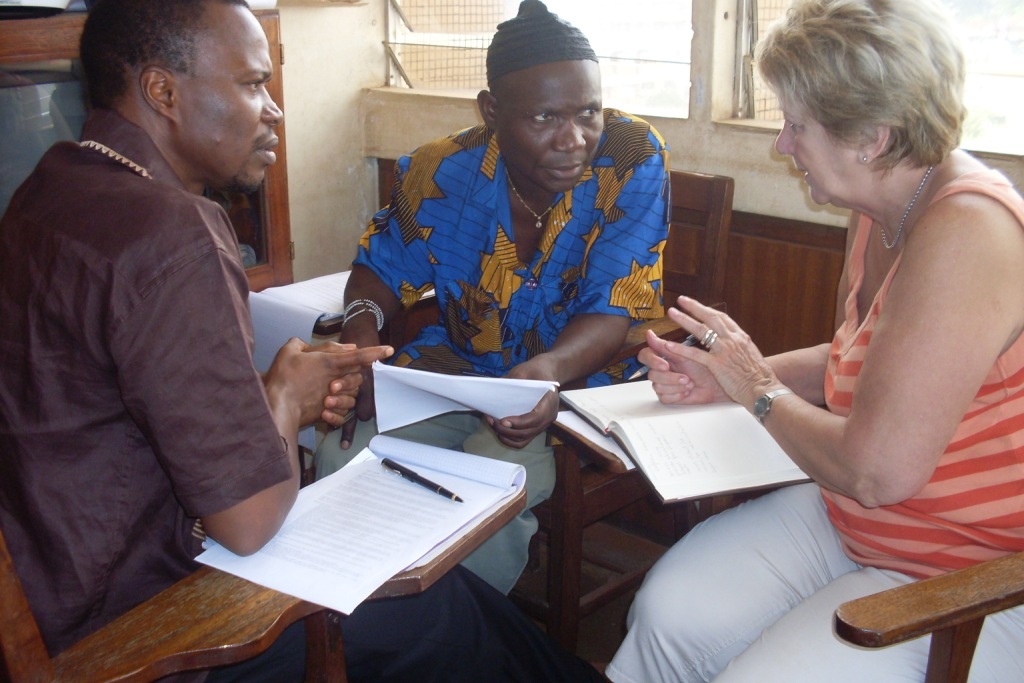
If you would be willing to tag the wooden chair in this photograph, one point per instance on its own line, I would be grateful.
(208, 619)
(591, 485)
(950, 607)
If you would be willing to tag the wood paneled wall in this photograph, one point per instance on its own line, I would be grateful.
(781, 278)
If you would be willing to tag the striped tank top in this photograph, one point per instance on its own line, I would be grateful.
(972, 508)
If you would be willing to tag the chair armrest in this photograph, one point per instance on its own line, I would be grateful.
(207, 619)
(933, 604)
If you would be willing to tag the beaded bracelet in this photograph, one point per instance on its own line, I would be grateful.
(366, 305)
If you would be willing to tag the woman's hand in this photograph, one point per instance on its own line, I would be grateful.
(675, 379)
(732, 367)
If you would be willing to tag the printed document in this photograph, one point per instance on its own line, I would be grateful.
(280, 313)
(353, 530)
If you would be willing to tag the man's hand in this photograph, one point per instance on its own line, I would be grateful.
(319, 382)
(517, 431)
(365, 409)
(343, 393)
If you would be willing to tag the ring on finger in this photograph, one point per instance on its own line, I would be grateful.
(709, 338)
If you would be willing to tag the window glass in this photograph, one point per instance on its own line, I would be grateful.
(41, 103)
(644, 52)
(992, 33)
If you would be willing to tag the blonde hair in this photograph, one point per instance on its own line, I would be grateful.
(852, 65)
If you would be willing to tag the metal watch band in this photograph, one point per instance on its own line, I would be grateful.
(763, 405)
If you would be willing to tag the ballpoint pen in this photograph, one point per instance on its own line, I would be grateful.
(409, 475)
(689, 341)
(642, 372)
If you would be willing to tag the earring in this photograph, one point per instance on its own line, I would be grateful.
(864, 159)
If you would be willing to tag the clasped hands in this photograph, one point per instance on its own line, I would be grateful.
(321, 382)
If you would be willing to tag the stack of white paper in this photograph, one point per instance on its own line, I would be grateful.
(350, 532)
(404, 396)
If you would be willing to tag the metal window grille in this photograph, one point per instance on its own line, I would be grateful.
(645, 52)
(441, 43)
(992, 35)
(754, 99)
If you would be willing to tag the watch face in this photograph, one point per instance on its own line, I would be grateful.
(761, 406)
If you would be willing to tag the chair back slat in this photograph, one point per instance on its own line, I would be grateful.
(694, 258)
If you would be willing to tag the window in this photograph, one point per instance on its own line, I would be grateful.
(644, 49)
(993, 40)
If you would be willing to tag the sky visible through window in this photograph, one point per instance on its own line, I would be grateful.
(993, 40)
(644, 50)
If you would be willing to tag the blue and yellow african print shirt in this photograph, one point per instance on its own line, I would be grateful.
(448, 228)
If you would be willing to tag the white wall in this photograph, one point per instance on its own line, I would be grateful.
(337, 119)
(332, 52)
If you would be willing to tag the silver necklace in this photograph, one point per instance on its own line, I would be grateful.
(539, 216)
(910, 206)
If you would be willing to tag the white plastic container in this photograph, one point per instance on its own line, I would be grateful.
(31, 8)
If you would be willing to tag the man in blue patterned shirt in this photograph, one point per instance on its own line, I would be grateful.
(540, 233)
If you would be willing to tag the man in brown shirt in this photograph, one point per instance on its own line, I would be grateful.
(129, 404)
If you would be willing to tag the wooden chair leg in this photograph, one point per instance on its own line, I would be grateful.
(307, 471)
(566, 541)
(952, 649)
(325, 652)
(533, 554)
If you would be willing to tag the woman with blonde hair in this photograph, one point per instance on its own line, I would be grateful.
(910, 423)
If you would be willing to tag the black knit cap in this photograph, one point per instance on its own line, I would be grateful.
(535, 36)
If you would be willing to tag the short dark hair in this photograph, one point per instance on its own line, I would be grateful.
(123, 35)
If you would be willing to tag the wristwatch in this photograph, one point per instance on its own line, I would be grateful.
(763, 405)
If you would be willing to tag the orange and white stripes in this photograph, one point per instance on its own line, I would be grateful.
(972, 509)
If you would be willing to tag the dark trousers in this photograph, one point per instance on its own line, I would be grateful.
(460, 629)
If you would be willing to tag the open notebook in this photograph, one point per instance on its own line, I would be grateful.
(353, 530)
(686, 451)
